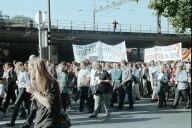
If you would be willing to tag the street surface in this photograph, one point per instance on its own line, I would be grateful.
(144, 115)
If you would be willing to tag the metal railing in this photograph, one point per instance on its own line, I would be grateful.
(88, 26)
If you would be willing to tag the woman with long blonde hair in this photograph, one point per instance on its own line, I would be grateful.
(45, 91)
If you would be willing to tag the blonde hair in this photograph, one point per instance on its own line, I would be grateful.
(19, 63)
(41, 75)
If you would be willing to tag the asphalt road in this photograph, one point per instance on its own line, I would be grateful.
(144, 115)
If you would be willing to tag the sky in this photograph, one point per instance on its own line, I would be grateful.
(79, 11)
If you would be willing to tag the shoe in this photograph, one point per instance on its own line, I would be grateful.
(187, 107)
(107, 114)
(129, 108)
(173, 106)
(137, 98)
(92, 116)
(10, 124)
(118, 107)
(25, 125)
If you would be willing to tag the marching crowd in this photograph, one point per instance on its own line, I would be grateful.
(38, 88)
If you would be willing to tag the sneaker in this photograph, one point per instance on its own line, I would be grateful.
(25, 125)
(187, 107)
(92, 116)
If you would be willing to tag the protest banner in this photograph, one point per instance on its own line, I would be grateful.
(163, 53)
(99, 51)
(89, 51)
(114, 53)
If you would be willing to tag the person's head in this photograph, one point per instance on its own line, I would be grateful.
(143, 64)
(61, 69)
(38, 74)
(99, 67)
(8, 65)
(123, 63)
(26, 65)
(1, 80)
(114, 65)
(161, 69)
(135, 66)
(48, 62)
(118, 65)
(107, 66)
(130, 64)
(20, 66)
(83, 65)
(31, 57)
(152, 63)
(180, 66)
(94, 65)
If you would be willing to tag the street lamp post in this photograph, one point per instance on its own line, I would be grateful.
(49, 28)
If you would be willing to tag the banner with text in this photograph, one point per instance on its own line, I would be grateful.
(113, 53)
(89, 51)
(163, 53)
(100, 52)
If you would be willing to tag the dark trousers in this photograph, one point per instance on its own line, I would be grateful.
(64, 100)
(114, 96)
(185, 93)
(91, 103)
(91, 100)
(10, 95)
(161, 95)
(83, 96)
(23, 96)
(122, 93)
(149, 89)
(32, 113)
(1, 100)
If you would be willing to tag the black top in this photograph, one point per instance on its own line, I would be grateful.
(47, 118)
(103, 88)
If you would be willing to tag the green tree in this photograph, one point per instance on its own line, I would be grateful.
(178, 13)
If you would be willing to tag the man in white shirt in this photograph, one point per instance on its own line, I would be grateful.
(83, 82)
(152, 73)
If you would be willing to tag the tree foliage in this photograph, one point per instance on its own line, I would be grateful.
(178, 13)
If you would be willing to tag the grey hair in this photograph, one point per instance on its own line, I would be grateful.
(94, 64)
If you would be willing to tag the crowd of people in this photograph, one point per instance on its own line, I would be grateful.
(38, 88)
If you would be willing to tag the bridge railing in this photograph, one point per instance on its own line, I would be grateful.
(88, 26)
(108, 27)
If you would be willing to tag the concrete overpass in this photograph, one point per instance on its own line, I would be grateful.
(64, 38)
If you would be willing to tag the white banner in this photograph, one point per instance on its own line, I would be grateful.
(90, 51)
(100, 52)
(163, 53)
(114, 53)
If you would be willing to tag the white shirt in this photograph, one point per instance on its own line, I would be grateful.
(1, 90)
(154, 70)
(92, 82)
(23, 79)
(83, 75)
(160, 76)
